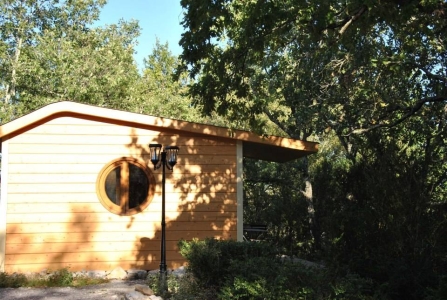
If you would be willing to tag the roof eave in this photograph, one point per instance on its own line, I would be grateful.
(269, 148)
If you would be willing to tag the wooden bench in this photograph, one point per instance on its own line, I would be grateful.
(254, 232)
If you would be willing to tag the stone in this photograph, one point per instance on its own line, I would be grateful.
(152, 272)
(145, 290)
(117, 273)
(180, 272)
(97, 274)
(30, 274)
(305, 263)
(153, 297)
(135, 296)
(136, 274)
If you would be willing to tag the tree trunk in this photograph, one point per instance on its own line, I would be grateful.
(11, 88)
(313, 224)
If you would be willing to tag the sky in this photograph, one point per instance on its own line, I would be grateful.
(157, 19)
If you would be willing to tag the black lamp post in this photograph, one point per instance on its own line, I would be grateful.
(168, 158)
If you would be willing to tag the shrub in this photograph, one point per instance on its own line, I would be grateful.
(235, 270)
(210, 260)
(180, 287)
(15, 280)
(61, 277)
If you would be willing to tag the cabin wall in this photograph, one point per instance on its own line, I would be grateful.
(54, 218)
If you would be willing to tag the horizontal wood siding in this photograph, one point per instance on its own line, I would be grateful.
(55, 220)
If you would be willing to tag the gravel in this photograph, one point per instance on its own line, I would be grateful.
(115, 289)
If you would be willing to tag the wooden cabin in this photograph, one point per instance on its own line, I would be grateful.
(78, 189)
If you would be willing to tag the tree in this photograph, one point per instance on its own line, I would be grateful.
(351, 66)
(52, 54)
(95, 66)
(368, 80)
(161, 93)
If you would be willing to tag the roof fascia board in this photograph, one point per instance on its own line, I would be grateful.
(68, 108)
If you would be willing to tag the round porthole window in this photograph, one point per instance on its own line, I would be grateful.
(125, 186)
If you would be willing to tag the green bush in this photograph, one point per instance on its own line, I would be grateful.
(234, 270)
(180, 287)
(210, 260)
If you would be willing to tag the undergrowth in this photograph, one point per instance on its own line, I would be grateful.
(59, 278)
(254, 271)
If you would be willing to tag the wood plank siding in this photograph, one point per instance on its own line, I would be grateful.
(54, 217)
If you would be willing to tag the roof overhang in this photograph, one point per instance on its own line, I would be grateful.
(271, 148)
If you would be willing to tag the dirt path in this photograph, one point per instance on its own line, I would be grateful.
(115, 289)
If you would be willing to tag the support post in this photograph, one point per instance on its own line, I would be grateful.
(163, 223)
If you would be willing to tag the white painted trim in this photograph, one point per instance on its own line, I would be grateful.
(3, 204)
(240, 192)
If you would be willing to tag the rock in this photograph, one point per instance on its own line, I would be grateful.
(136, 274)
(153, 297)
(180, 272)
(117, 273)
(305, 263)
(135, 296)
(91, 274)
(152, 272)
(30, 275)
(145, 290)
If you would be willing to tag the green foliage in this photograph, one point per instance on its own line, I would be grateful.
(264, 278)
(161, 94)
(382, 212)
(155, 283)
(94, 67)
(183, 287)
(59, 278)
(380, 220)
(12, 280)
(348, 65)
(210, 259)
(270, 190)
(39, 38)
(242, 289)
(52, 52)
(235, 270)
(367, 80)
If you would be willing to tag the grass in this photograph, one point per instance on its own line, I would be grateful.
(60, 278)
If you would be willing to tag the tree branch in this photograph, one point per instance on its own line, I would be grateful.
(410, 112)
(275, 120)
(344, 24)
(353, 18)
(433, 76)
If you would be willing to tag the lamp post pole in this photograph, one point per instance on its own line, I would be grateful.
(166, 159)
(163, 221)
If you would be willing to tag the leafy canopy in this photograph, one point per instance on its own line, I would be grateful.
(311, 65)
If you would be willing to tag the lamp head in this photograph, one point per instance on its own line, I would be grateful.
(171, 155)
(155, 150)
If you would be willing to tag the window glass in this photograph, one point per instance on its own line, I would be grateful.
(125, 186)
(111, 185)
(138, 186)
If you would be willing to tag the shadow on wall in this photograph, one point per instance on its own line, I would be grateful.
(78, 233)
(201, 198)
(47, 241)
